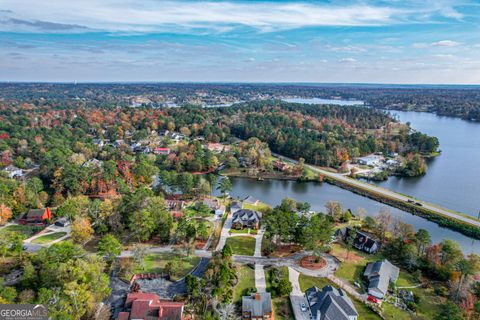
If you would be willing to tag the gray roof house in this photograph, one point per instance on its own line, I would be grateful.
(379, 275)
(246, 218)
(251, 200)
(257, 306)
(235, 207)
(330, 304)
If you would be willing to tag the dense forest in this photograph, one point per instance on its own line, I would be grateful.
(325, 135)
(456, 101)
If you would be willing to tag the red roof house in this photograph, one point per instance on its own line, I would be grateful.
(36, 216)
(164, 151)
(149, 306)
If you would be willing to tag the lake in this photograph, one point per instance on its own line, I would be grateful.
(317, 194)
(325, 101)
(453, 178)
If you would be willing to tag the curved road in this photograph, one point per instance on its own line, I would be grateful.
(387, 193)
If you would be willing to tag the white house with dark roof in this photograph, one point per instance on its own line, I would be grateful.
(330, 303)
(379, 275)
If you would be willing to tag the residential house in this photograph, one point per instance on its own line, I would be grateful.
(36, 216)
(379, 275)
(175, 207)
(235, 206)
(251, 200)
(244, 162)
(214, 147)
(92, 163)
(13, 172)
(163, 151)
(258, 306)
(220, 210)
(62, 222)
(330, 303)
(363, 241)
(280, 166)
(370, 160)
(149, 306)
(246, 218)
(213, 204)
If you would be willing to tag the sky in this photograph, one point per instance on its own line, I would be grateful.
(396, 41)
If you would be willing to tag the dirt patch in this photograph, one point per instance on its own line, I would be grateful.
(313, 262)
(348, 257)
(285, 250)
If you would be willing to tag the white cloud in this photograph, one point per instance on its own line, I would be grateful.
(441, 43)
(348, 60)
(133, 16)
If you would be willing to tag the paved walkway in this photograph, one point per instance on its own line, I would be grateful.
(260, 283)
(347, 287)
(225, 232)
(258, 242)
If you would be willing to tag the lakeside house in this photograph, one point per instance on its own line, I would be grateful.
(257, 306)
(36, 216)
(330, 303)
(149, 306)
(251, 200)
(379, 275)
(246, 218)
(363, 241)
(280, 166)
(370, 160)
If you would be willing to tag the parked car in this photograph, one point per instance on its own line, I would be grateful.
(62, 222)
(373, 299)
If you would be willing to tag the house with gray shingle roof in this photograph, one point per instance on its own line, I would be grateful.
(246, 218)
(257, 306)
(330, 303)
(251, 200)
(379, 275)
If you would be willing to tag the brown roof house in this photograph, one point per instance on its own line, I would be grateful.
(258, 306)
(149, 306)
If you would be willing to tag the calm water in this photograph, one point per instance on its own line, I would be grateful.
(325, 101)
(273, 191)
(453, 178)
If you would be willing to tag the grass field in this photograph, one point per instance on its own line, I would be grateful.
(262, 207)
(49, 237)
(156, 262)
(246, 280)
(26, 231)
(242, 245)
(364, 312)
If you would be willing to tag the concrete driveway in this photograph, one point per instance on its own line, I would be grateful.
(297, 298)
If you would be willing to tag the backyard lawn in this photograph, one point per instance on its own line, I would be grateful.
(262, 207)
(245, 281)
(363, 311)
(352, 269)
(281, 305)
(242, 245)
(27, 231)
(49, 237)
(156, 262)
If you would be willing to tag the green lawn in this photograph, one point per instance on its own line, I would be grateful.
(156, 262)
(353, 268)
(242, 245)
(27, 231)
(49, 237)
(363, 311)
(246, 280)
(262, 207)
(281, 305)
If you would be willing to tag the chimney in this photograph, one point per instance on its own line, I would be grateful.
(257, 296)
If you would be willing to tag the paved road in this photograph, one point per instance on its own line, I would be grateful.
(386, 192)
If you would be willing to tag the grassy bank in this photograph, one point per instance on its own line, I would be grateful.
(442, 220)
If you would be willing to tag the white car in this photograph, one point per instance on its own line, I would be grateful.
(303, 307)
